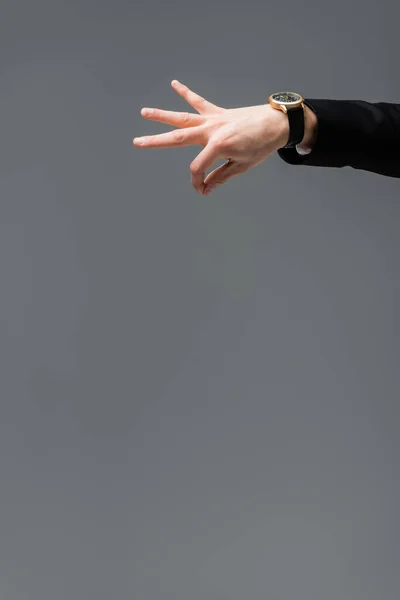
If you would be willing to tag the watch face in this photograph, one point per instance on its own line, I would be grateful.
(286, 97)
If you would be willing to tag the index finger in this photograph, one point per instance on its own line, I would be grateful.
(201, 163)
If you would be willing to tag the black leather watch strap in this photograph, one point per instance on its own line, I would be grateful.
(296, 126)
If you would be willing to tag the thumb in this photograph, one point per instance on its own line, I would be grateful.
(221, 174)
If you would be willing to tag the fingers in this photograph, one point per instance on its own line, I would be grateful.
(171, 139)
(201, 163)
(170, 117)
(191, 123)
(222, 174)
(198, 102)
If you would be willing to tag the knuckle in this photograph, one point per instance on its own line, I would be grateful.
(186, 118)
(194, 169)
(179, 136)
(220, 145)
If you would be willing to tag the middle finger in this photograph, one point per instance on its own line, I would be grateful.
(178, 137)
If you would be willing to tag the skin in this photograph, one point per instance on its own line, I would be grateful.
(245, 136)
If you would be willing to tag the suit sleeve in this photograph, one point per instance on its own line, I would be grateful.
(353, 133)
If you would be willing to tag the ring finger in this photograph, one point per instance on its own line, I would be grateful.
(171, 117)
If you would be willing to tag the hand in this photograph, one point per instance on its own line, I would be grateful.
(245, 136)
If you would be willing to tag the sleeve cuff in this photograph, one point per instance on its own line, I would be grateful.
(296, 156)
(339, 131)
(354, 133)
(302, 151)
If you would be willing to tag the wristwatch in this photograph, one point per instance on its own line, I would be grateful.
(293, 105)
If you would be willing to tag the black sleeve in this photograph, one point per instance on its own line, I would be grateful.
(353, 133)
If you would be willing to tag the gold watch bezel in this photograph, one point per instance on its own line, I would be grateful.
(285, 106)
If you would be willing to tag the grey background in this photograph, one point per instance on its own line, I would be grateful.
(198, 396)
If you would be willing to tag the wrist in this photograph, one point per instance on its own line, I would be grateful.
(277, 124)
(280, 126)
